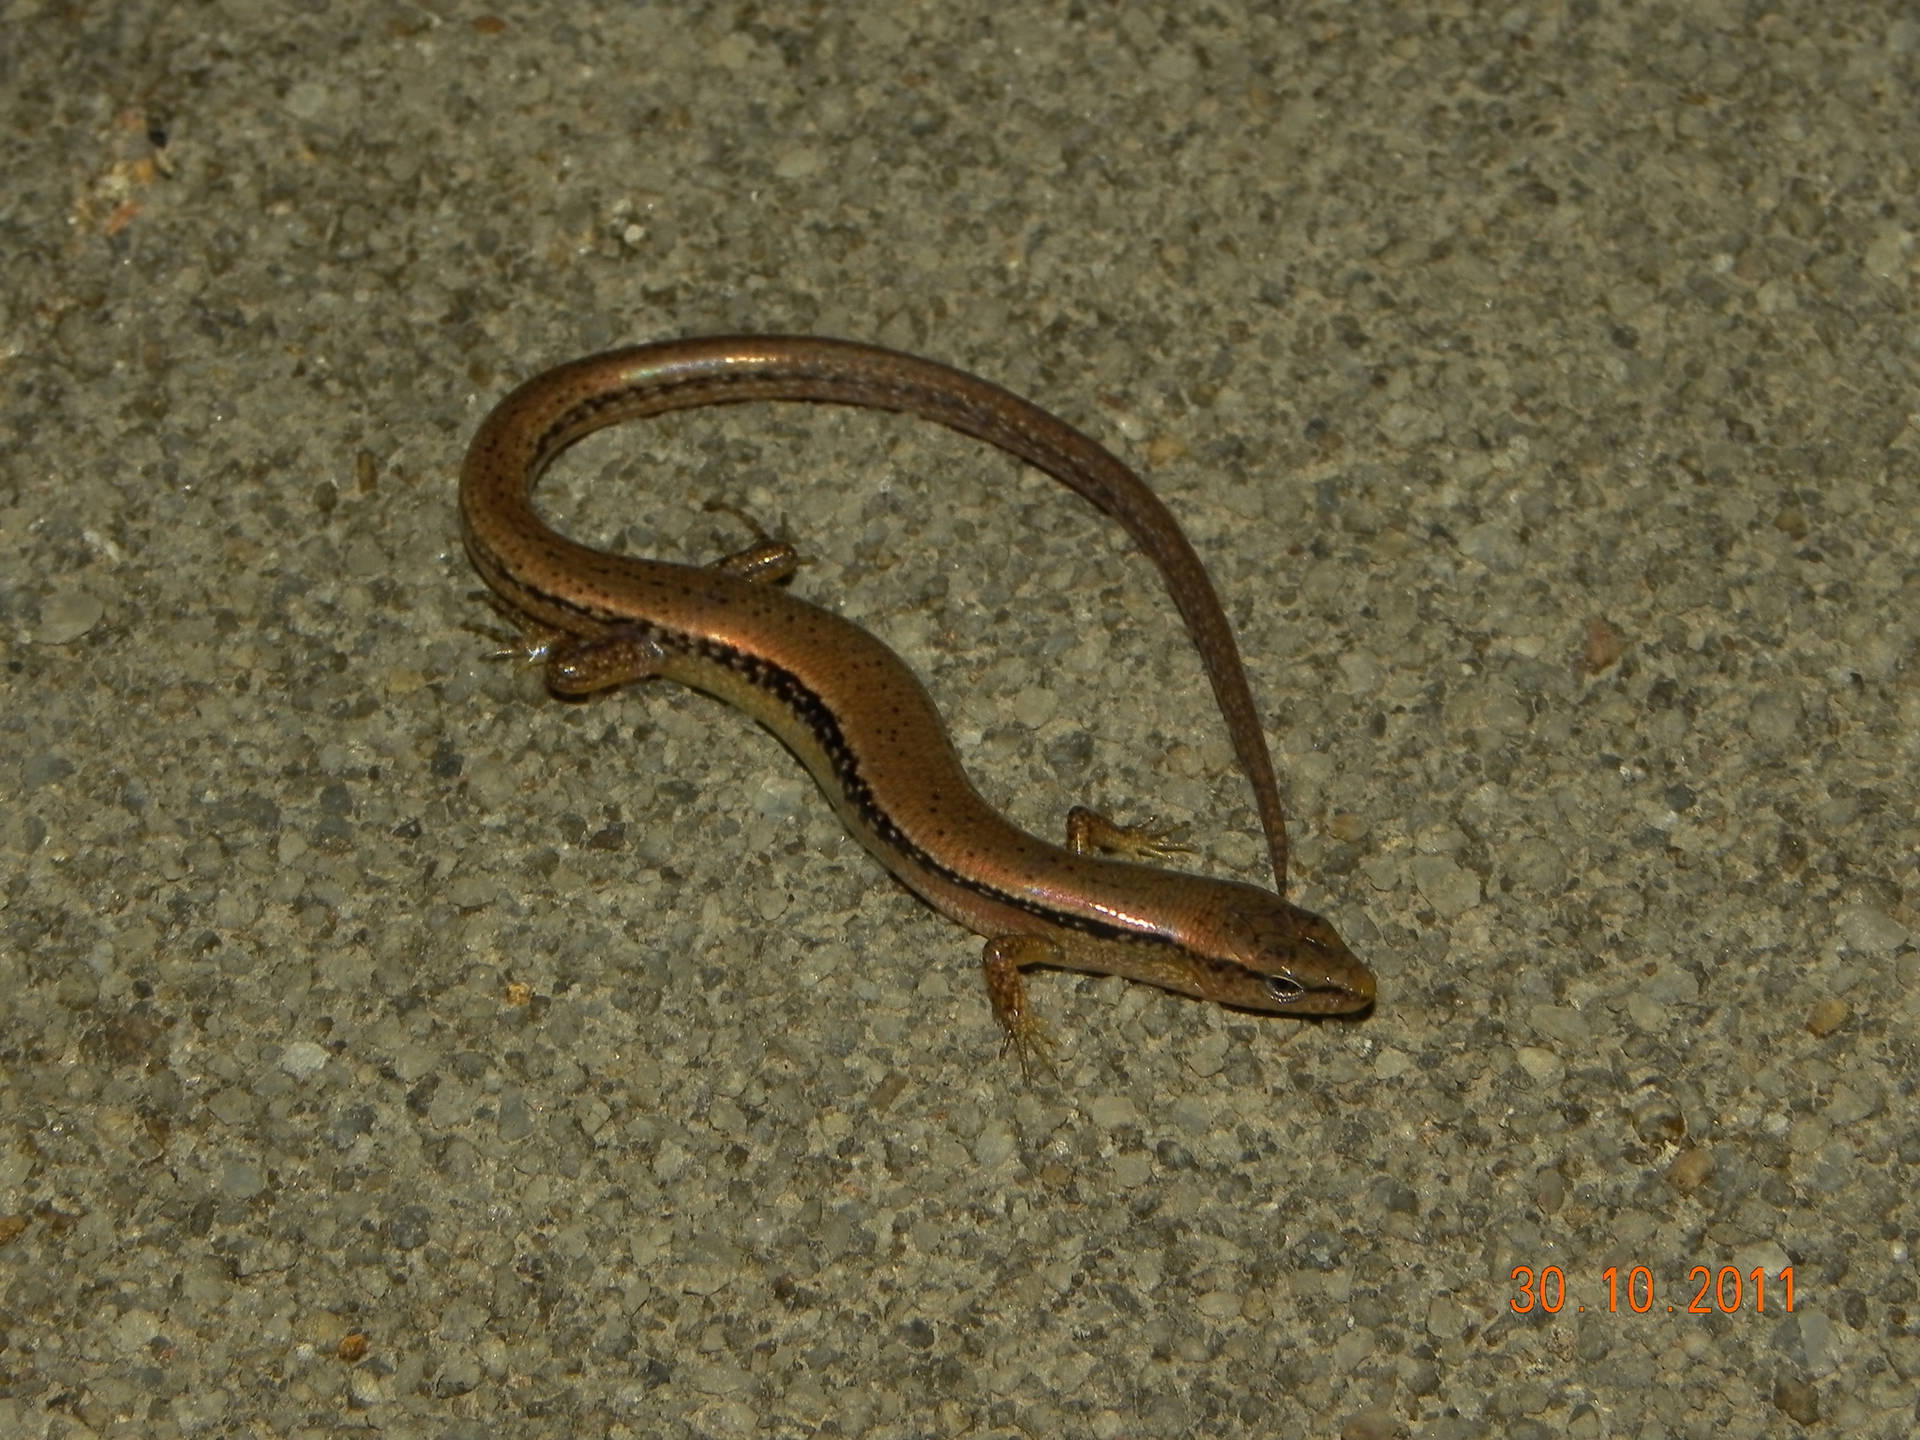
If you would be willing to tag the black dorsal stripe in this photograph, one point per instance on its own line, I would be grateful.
(802, 701)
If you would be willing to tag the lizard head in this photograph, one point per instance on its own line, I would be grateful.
(1262, 953)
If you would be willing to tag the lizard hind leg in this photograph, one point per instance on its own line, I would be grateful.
(578, 666)
(766, 561)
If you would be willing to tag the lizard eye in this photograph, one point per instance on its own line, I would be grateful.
(1284, 991)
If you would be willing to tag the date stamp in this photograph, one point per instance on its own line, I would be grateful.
(1726, 1291)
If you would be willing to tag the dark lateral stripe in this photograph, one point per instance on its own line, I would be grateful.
(799, 700)
(783, 685)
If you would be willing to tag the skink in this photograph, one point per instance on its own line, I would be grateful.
(853, 713)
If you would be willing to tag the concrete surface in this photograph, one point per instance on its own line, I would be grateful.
(385, 1046)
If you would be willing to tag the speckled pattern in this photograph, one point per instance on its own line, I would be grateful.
(386, 1046)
